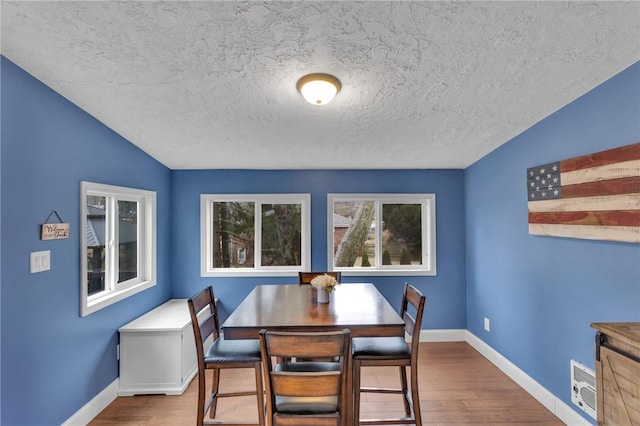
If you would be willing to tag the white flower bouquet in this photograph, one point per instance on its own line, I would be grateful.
(324, 282)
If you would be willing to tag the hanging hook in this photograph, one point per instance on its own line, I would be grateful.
(57, 215)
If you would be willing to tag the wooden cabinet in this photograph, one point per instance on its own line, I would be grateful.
(618, 373)
(158, 351)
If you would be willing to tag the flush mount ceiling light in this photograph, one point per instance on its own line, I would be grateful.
(318, 89)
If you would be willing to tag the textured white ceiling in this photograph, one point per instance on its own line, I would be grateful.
(425, 84)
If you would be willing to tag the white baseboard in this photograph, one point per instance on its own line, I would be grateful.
(92, 408)
(453, 335)
(563, 411)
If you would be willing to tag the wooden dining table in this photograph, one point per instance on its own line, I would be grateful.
(285, 307)
(360, 307)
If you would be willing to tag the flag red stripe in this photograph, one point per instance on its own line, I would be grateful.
(602, 158)
(628, 185)
(602, 218)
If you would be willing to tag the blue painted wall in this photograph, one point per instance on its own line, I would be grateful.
(54, 361)
(542, 293)
(445, 292)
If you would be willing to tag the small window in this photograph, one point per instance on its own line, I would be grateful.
(118, 244)
(255, 235)
(381, 234)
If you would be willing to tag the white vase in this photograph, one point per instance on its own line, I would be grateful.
(323, 296)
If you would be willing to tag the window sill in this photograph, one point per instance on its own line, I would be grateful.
(113, 297)
(386, 272)
(252, 273)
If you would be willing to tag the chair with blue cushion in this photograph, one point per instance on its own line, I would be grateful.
(222, 354)
(307, 393)
(393, 351)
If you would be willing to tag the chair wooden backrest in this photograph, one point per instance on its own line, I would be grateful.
(306, 383)
(209, 326)
(411, 311)
(306, 277)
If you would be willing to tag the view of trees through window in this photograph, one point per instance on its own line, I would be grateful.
(281, 235)
(236, 242)
(370, 233)
(270, 234)
(401, 234)
(234, 229)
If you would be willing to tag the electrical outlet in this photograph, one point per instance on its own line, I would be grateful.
(487, 324)
(118, 352)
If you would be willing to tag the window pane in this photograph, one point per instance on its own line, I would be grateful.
(95, 244)
(354, 233)
(127, 240)
(281, 235)
(233, 239)
(402, 234)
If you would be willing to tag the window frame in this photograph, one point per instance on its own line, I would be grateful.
(146, 245)
(206, 234)
(428, 214)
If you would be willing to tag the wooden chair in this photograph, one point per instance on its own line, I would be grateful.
(393, 351)
(306, 277)
(307, 393)
(220, 355)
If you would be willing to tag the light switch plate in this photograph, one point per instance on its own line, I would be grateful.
(40, 261)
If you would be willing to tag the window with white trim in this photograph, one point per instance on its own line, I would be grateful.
(255, 234)
(381, 234)
(118, 244)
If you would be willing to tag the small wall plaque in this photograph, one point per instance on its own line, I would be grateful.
(54, 231)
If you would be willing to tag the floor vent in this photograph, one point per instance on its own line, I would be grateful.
(583, 388)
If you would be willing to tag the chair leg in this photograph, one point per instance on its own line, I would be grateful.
(215, 386)
(356, 392)
(405, 390)
(346, 410)
(415, 395)
(202, 385)
(259, 393)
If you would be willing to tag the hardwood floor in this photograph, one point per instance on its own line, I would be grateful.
(458, 386)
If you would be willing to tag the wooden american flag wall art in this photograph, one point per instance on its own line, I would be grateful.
(596, 196)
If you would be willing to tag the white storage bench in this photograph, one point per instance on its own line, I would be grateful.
(158, 351)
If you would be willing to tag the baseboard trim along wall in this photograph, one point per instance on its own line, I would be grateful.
(92, 408)
(563, 411)
(443, 335)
